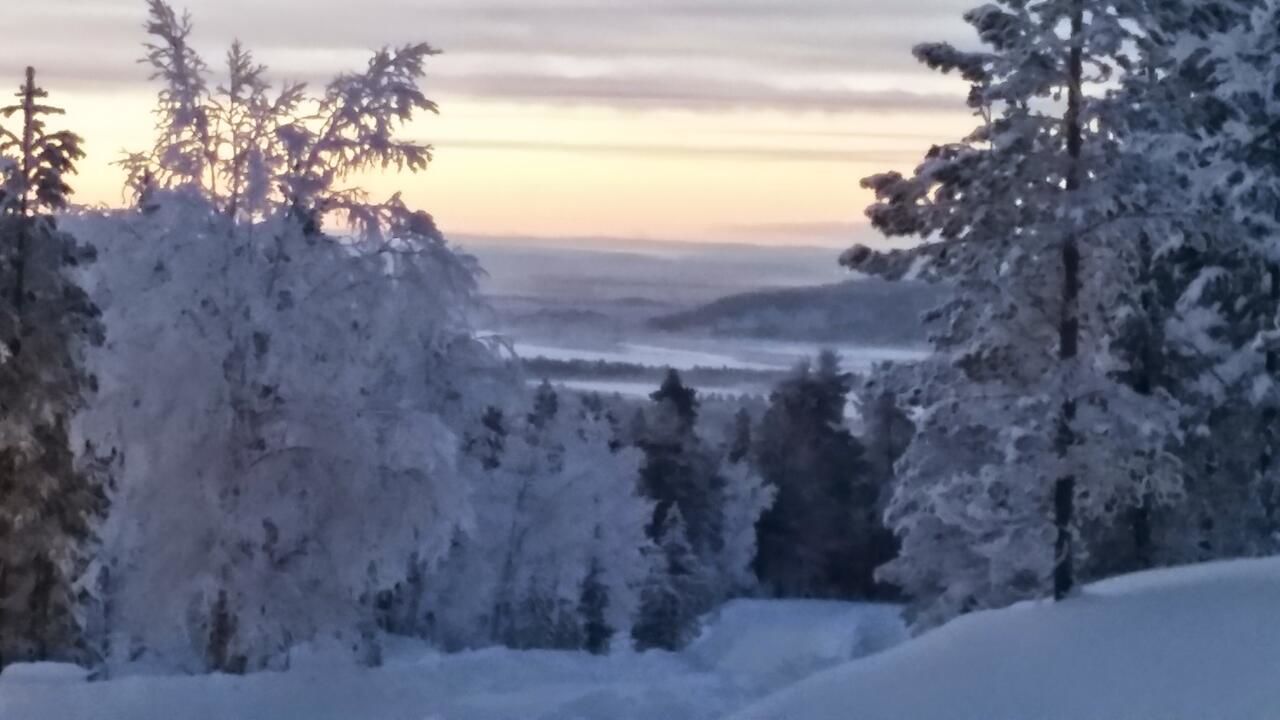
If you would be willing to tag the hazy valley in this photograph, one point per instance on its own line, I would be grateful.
(733, 318)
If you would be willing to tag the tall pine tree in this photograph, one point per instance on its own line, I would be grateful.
(1026, 434)
(49, 502)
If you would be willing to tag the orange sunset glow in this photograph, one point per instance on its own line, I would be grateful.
(554, 128)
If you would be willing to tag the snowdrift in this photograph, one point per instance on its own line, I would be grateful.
(1200, 643)
(765, 645)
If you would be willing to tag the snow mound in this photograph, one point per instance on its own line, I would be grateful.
(768, 644)
(1195, 643)
(43, 672)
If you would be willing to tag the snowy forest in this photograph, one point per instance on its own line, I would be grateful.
(252, 408)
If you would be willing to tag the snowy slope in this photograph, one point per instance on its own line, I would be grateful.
(1201, 643)
(741, 656)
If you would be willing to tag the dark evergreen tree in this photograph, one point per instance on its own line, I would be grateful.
(820, 537)
(487, 442)
(49, 501)
(886, 430)
(740, 439)
(676, 396)
(713, 503)
(593, 607)
(545, 405)
(678, 469)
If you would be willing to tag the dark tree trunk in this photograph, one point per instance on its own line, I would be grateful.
(1150, 369)
(1266, 432)
(1069, 324)
(1141, 523)
(222, 630)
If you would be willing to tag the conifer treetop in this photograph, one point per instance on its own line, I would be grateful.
(34, 161)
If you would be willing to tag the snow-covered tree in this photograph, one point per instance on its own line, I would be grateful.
(185, 150)
(1222, 97)
(679, 590)
(718, 501)
(249, 150)
(256, 405)
(1024, 430)
(557, 551)
(287, 404)
(50, 501)
(747, 497)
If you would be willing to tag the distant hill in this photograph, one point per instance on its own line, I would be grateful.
(870, 311)
(684, 274)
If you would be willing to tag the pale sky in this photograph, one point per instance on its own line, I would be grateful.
(746, 120)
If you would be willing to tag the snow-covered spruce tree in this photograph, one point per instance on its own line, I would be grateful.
(265, 378)
(679, 590)
(50, 504)
(1024, 432)
(677, 470)
(1223, 93)
(1203, 294)
(557, 552)
(823, 536)
(718, 501)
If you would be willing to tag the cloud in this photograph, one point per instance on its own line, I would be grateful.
(766, 154)
(689, 92)
(689, 54)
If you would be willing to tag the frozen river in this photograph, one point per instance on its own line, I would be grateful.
(688, 353)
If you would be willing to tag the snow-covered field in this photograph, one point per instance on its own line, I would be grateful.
(1200, 643)
(750, 649)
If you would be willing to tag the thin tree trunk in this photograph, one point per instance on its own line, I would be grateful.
(1266, 457)
(28, 139)
(24, 198)
(1069, 324)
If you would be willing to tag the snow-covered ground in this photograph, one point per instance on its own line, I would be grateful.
(1200, 643)
(748, 650)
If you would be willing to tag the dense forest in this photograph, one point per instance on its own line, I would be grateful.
(250, 410)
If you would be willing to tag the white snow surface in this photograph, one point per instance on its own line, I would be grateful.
(1200, 643)
(748, 649)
